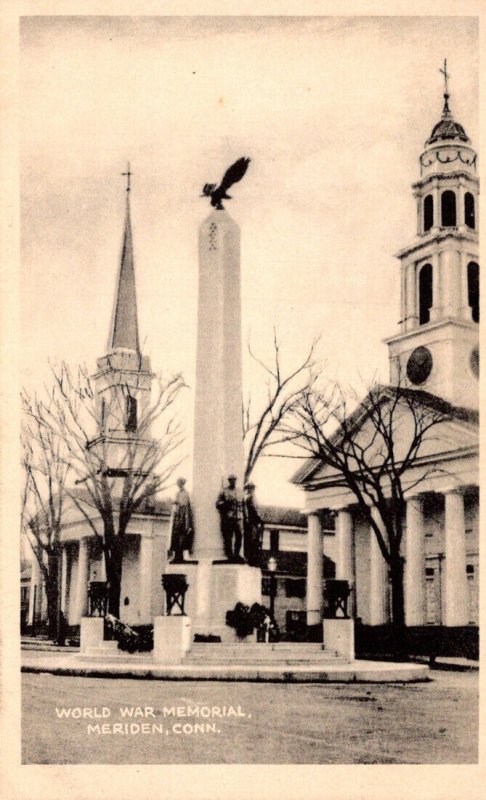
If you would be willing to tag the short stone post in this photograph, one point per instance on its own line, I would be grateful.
(172, 638)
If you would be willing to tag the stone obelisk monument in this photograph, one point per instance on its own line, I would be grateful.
(218, 443)
(215, 583)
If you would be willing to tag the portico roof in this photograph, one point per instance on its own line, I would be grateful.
(356, 420)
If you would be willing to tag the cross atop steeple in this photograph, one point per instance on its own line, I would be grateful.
(128, 174)
(446, 109)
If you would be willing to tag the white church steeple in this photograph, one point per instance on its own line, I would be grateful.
(437, 347)
(123, 380)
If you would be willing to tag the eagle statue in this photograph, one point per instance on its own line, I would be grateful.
(232, 175)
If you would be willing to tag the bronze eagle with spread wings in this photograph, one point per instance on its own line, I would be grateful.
(232, 175)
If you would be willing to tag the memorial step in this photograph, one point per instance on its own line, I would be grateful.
(261, 654)
(103, 654)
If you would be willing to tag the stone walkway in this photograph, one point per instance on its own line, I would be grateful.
(143, 666)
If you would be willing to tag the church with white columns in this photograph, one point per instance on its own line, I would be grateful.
(435, 355)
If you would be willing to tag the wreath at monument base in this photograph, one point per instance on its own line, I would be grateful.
(246, 619)
(130, 639)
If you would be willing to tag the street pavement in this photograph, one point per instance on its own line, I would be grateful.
(76, 720)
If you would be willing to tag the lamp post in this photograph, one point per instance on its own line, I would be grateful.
(272, 566)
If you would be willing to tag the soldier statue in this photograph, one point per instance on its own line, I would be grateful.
(253, 527)
(230, 507)
(182, 527)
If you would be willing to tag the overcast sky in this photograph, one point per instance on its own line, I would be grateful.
(333, 112)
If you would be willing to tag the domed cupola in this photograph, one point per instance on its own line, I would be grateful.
(448, 149)
(447, 128)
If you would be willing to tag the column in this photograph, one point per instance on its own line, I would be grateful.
(411, 298)
(414, 563)
(145, 577)
(466, 311)
(35, 590)
(455, 578)
(436, 196)
(436, 309)
(64, 570)
(345, 561)
(314, 570)
(82, 581)
(378, 582)
(460, 215)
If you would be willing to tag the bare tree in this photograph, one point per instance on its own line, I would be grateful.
(263, 428)
(45, 474)
(374, 451)
(116, 464)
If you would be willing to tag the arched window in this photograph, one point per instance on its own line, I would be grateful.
(448, 208)
(469, 214)
(473, 289)
(131, 420)
(428, 212)
(425, 293)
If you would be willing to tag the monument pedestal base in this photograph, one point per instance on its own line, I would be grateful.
(339, 636)
(91, 632)
(172, 638)
(215, 588)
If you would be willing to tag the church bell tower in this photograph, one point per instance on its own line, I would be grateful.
(437, 349)
(123, 378)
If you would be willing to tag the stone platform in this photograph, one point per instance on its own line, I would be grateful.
(201, 664)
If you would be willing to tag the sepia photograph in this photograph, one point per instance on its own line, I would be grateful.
(249, 391)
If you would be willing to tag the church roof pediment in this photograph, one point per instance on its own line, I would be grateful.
(457, 431)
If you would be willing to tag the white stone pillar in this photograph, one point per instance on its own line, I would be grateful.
(64, 570)
(315, 560)
(455, 579)
(218, 444)
(450, 266)
(82, 581)
(411, 297)
(466, 310)
(460, 213)
(378, 581)
(35, 590)
(436, 309)
(414, 563)
(345, 562)
(344, 534)
(145, 578)
(436, 196)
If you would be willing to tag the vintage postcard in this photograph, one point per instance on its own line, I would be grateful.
(241, 407)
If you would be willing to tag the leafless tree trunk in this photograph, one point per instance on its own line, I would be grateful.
(373, 450)
(263, 428)
(45, 470)
(113, 472)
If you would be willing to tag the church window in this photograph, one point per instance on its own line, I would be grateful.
(274, 541)
(428, 212)
(448, 206)
(425, 293)
(469, 214)
(295, 587)
(131, 419)
(103, 412)
(473, 289)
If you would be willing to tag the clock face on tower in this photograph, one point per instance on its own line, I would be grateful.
(419, 365)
